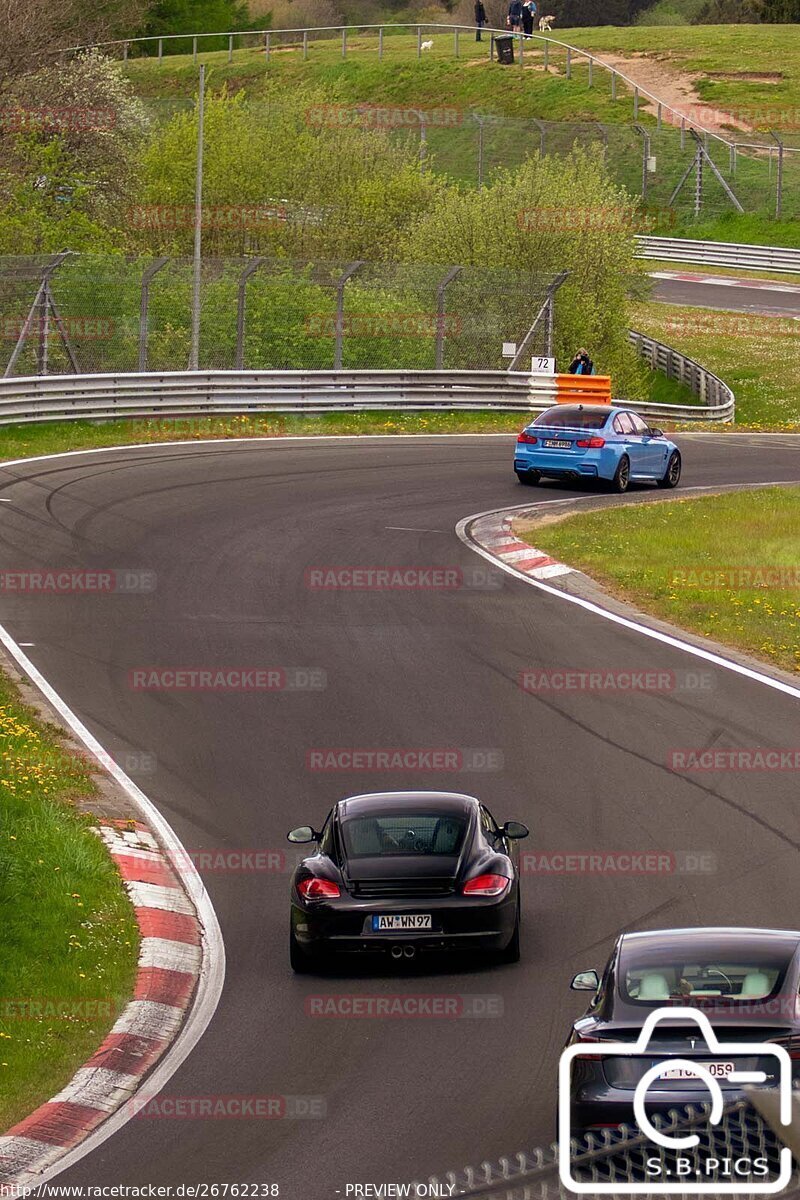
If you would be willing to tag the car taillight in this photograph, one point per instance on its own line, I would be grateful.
(486, 885)
(528, 438)
(792, 1045)
(581, 1038)
(318, 889)
(591, 443)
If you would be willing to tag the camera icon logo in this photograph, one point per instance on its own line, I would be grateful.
(687, 1180)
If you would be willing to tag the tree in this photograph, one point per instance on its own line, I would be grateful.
(30, 30)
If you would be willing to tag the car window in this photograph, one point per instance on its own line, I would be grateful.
(571, 416)
(327, 842)
(488, 824)
(639, 426)
(623, 423)
(659, 976)
(403, 833)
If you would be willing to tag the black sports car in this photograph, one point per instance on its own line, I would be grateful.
(745, 981)
(402, 872)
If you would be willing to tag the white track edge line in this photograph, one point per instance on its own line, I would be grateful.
(212, 975)
(626, 622)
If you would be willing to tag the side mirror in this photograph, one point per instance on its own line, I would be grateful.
(656, 432)
(304, 833)
(515, 830)
(586, 981)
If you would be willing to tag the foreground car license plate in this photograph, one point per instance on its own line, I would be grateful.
(401, 921)
(555, 444)
(719, 1070)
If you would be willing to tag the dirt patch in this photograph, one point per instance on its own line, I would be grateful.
(749, 76)
(675, 88)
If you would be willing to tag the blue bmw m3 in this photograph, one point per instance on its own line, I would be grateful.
(596, 441)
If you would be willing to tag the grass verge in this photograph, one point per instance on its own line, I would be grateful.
(727, 567)
(68, 938)
(756, 355)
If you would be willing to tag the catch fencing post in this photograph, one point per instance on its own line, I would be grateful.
(144, 307)
(160, 50)
(591, 64)
(230, 48)
(569, 63)
(240, 309)
(636, 104)
(419, 41)
(440, 298)
(340, 285)
(455, 43)
(194, 51)
(380, 42)
(305, 44)
(194, 353)
(344, 42)
(546, 55)
(266, 47)
(645, 155)
(779, 177)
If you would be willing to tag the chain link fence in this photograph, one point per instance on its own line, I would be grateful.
(617, 1157)
(90, 313)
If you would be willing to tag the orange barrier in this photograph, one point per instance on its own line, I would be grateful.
(583, 389)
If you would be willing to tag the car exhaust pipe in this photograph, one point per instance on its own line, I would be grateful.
(397, 951)
(409, 951)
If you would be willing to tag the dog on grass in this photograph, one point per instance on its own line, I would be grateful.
(546, 24)
(427, 46)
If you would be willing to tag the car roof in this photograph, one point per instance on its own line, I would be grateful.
(375, 803)
(701, 935)
(607, 409)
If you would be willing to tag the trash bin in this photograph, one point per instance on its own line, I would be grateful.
(504, 44)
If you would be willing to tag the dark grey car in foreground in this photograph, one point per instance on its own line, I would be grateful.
(746, 983)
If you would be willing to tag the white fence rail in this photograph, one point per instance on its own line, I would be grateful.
(30, 399)
(720, 254)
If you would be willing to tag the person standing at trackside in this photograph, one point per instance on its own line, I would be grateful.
(514, 19)
(528, 17)
(480, 19)
(581, 364)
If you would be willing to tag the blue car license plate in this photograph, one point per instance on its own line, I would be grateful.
(555, 444)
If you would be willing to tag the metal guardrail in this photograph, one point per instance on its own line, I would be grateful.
(716, 398)
(26, 400)
(720, 254)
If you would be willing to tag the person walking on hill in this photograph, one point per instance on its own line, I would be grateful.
(480, 19)
(514, 20)
(528, 15)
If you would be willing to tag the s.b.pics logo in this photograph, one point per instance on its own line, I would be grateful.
(678, 1163)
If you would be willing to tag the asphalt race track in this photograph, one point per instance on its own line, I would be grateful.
(229, 530)
(765, 297)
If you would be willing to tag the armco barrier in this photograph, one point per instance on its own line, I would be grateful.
(204, 393)
(720, 254)
(714, 394)
(589, 389)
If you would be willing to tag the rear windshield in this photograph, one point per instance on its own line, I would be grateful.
(657, 975)
(408, 833)
(567, 417)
